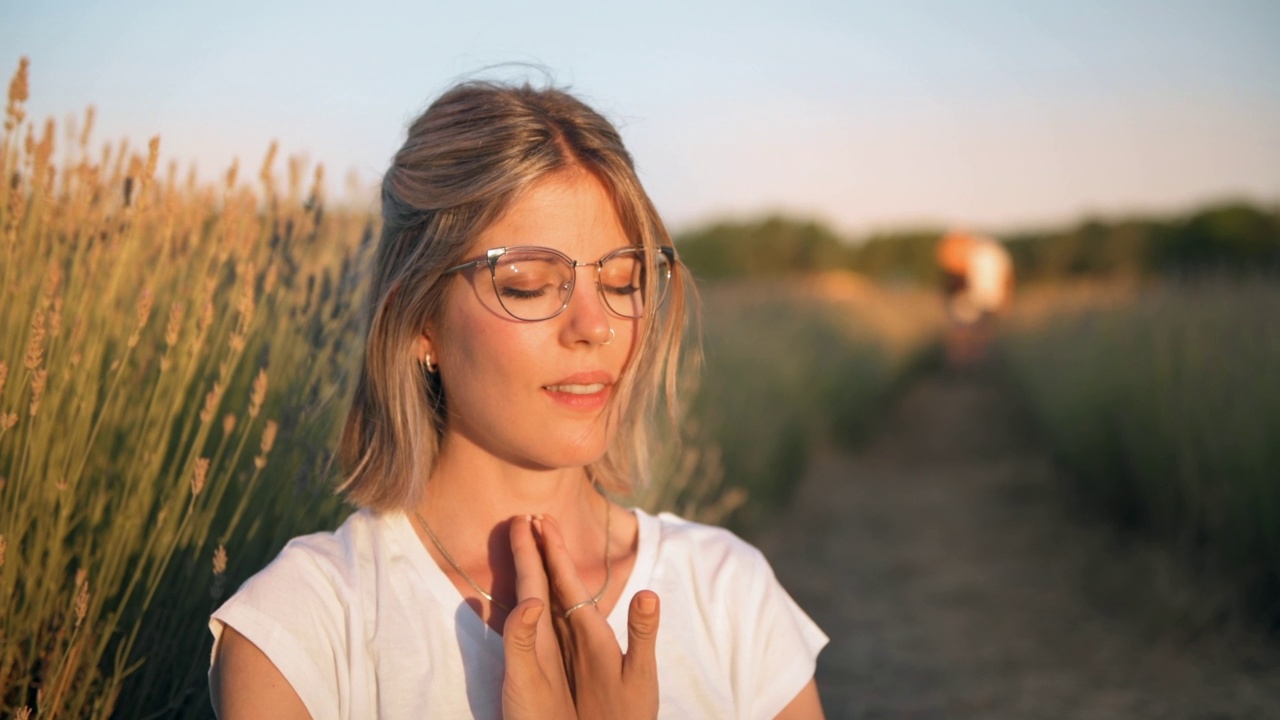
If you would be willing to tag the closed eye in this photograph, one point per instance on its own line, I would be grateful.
(522, 294)
(629, 289)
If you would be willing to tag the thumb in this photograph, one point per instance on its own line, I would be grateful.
(642, 635)
(520, 637)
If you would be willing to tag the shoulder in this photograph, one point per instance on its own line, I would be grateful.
(337, 555)
(677, 531)
(731, 635)
(710, 555)
(354, 539)
(309, 611)
(324, 572)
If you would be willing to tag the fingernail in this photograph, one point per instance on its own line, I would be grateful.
(648, 604)
(531, 615)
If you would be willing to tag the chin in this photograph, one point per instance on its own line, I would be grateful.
(570, 452)
(578, 457)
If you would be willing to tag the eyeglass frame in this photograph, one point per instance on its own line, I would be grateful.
(492, 255)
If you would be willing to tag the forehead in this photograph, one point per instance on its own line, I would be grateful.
(570, 211)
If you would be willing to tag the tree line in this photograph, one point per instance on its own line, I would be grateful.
(1233, 237)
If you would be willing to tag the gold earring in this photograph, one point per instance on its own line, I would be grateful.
(427, 362)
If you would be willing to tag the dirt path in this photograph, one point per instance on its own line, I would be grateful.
(955, 584)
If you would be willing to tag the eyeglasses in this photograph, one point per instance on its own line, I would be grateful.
(535, 283)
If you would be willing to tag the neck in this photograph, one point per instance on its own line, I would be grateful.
(472, 494)
(469, 501)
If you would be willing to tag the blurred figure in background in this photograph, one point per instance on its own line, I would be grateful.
(977, 284)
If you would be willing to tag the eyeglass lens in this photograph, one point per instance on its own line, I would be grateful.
(535, 285)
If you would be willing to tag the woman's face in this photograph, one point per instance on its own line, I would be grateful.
(536, 394)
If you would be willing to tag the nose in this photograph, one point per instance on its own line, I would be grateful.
(587, 319)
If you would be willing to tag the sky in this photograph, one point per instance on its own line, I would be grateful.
(868, 116)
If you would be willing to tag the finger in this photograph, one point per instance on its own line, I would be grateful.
(587, 642)
(532, 686)
(531, 577)
(520, 639)
(566, 584)
(642, 636)
(531, 583)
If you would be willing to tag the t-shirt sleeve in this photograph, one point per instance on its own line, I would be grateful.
(780, 643)
(296, 612)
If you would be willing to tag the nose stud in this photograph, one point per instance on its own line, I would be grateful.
(612, 335)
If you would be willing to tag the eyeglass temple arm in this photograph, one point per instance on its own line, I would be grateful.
(490, 258)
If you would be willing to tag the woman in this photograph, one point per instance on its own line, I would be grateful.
(526, 309)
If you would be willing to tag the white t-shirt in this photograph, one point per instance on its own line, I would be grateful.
(363, 623)
(989, 269)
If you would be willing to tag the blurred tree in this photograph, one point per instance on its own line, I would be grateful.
(898, 257)
(1226, 237)
(1234, 237)
(1230, 237)
(770, 247)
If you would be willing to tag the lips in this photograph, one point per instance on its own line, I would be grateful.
(578, 389)
(581, 391)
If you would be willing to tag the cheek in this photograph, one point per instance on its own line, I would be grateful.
(628, 341)
(489, 364)
(470, 338)
(627, 356)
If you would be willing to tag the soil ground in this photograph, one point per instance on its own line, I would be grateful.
(946, 562)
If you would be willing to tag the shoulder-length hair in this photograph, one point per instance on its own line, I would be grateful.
(464, 161)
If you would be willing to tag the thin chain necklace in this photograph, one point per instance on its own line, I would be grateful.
(608, 562)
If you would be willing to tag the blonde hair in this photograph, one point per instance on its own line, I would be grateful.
(464, 161)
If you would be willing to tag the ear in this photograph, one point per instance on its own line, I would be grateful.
(424, 347)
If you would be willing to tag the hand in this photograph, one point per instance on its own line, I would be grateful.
(604, 682)
(534, 683)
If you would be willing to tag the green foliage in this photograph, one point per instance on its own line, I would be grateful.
(902, 257)
(1233, 237)
(789, 367)
(1167, 411)
(172, 367)
(1229, 237)
(771, 247)
(1094, 248)
(780, 246)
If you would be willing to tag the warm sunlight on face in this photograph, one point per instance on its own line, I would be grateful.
(537, 394)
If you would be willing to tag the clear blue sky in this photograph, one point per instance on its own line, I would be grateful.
(868, 115)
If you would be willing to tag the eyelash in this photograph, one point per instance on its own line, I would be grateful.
(518, 294)
(623, 290)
